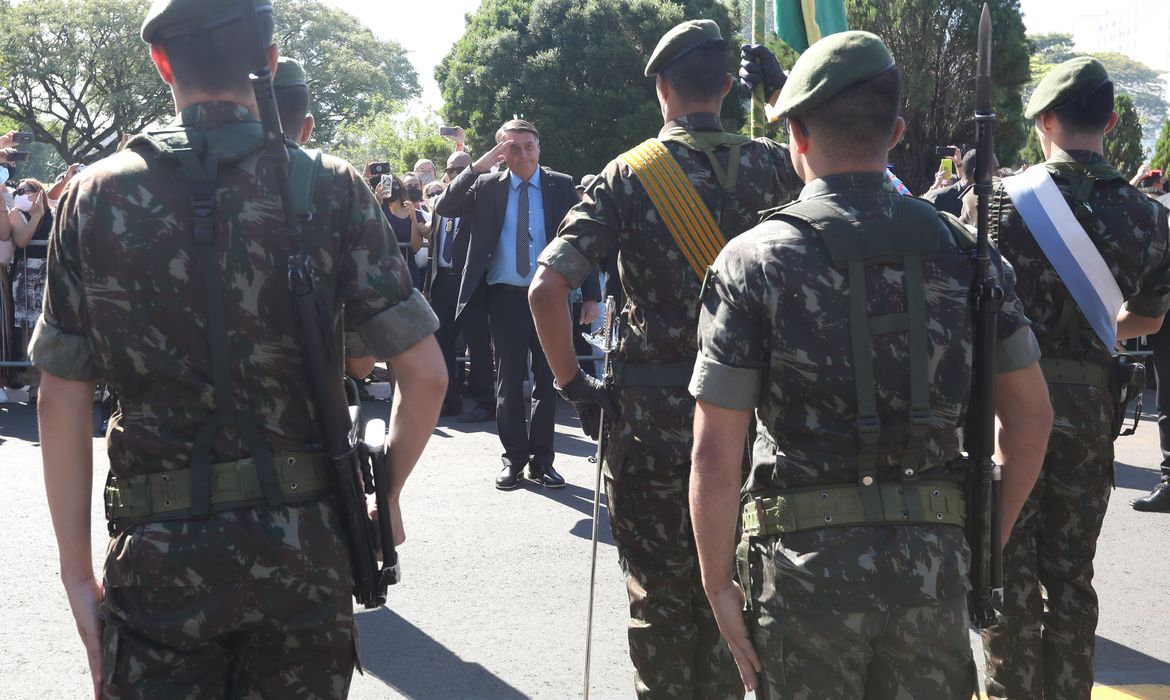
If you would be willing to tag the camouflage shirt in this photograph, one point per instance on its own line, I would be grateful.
(1130, 231)
(125, 304)
(662, 292)
(774, 336)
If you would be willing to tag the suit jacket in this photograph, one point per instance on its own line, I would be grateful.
(458, 249)
(480, 201)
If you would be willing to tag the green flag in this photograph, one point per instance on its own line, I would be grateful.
(801, 23)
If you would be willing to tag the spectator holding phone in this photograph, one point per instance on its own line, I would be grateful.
(30, 221)
(407, 222)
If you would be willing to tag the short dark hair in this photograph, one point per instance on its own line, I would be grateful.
(969, 163)
(292, 101)
(1088, 113)
(698, 75)
(517, 125)
(213, 60)
(860, 117)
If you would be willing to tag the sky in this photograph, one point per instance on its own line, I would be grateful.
(428, 29)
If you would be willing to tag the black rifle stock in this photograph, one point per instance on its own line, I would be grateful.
(984, 478)
(323, 366)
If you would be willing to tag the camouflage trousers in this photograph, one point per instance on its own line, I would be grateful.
(257, 639)
(1043, 645)
(674, 642)
(919, 652)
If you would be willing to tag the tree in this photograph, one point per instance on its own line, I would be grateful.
(572, 67)
(1052, 48)
(1031, 153)
(352, 73)
(934, 42)
(1161, 159)
(1123, 145)
(77, 75)
(396, 138)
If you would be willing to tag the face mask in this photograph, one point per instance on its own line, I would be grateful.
(4, 174)
(23, 202)
(425, 178)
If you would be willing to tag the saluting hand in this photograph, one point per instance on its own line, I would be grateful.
(488, 160)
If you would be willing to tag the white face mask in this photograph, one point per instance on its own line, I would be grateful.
(23, 202)
(4, 174)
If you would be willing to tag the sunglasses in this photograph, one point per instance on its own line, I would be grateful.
(452, 170)
(24, 190)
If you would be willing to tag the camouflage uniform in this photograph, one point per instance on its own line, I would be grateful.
(255, 601)
(1043, 644)
(674, 643)
(873, 611)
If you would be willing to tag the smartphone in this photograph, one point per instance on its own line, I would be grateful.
(448, 131)
(944, 151)
(23, 137)
(18, 157)
(379, 168)
(947, 166)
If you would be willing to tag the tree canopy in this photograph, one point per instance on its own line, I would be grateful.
(574, 68)
(401, 140)
(1123, 145)
(77, 74)
(1161, 158)
(934, 42)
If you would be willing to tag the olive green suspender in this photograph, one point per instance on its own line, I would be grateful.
(905, 239)
(201, 170)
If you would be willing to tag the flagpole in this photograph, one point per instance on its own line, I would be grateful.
(758, 120)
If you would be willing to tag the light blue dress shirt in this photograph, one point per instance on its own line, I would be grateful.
(503, 268)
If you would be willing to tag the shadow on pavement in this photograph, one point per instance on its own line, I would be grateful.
(411, 662)
(1127, 476)
(18, 421)
(1117, 664)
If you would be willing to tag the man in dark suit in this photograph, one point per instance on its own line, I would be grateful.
(513, 214)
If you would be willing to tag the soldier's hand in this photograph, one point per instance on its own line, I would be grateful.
(727, 604)
(590, 312)
(84, 598)
(590, 397)
(758, 66)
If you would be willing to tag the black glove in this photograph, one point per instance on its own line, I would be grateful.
(590, 397)
(759, 65)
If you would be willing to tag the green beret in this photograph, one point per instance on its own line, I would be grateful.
(832, 64)
(171, 18)
(289, 73)
(1066, 82)
(680, 41)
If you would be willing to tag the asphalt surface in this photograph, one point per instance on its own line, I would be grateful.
(493, 602)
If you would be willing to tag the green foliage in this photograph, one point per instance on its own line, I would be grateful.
(1123, 145)
(398, 139)
(572, 67)
(1052, 48)
(934, 42)
(77, 75)
(1161, 159)
(1031, 153)
(351, 71)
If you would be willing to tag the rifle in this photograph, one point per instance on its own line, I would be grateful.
(355, 469)
(984, 477)
(607, 346)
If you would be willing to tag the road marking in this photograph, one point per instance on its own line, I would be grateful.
(1125, 692)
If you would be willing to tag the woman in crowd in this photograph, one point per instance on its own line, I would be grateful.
(409, 224)
(30, 220)
(7, 250)
(425, 169)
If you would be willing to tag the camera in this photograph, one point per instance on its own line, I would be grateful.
(18, 157)
(379, 168)
(449, 131)
(21, 137)
(944, 152)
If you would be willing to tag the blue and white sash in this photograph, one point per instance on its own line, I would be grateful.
(1069, 248)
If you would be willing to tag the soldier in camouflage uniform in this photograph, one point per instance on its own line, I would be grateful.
(674, 643)
(844, 322)
(252, 599)
(1043, 644)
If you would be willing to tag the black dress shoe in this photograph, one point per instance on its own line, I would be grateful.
(479, 414)
(509, 476)
(546, 476)
(450, 409)
(1158, 501)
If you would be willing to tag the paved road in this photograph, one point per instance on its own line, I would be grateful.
(493, 602)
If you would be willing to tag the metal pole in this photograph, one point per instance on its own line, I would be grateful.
(759, 120)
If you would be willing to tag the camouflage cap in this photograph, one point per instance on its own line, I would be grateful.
(289, 73)
(681, 40)
(1066, 82)
(834, 63)
(170, 18)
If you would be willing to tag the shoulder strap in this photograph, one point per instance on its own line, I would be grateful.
(1068, 247)
(676, 201)
(303, 178)
(708, 143)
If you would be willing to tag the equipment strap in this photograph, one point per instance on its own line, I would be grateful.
(167, 495)
(682, 210)
(843, 505)
(629, 374)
